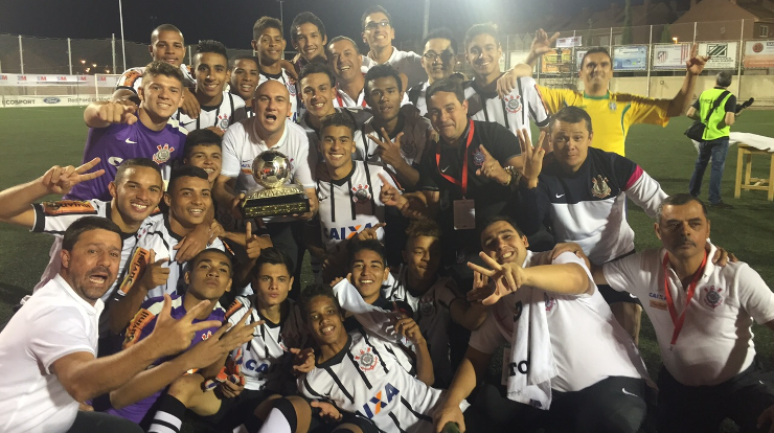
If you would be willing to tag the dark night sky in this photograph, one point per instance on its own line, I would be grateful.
(230, 21)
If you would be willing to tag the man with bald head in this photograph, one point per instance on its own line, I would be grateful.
(268, 129)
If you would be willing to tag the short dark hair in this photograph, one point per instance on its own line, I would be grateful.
(571, 115)
(369, 245)
(185, 171)
(423, 228)
(372, 10)
(679, 200)
(482, 29)
(304, 18)
(382, 71)
(198, 257)
(165, 28)
(210, 46)
(85, 224)
(341, 38)
(264, 23)
(338, 119)
(154, 69)
(452, 84)
(595, 50)
(201, 137)
(503, 218)
(316, 68)
(273, 256)
(233, 61)
(441, 33)
(135, 162)
(312, 291)
(723, 79)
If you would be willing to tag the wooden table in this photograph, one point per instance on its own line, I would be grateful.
(744, 163)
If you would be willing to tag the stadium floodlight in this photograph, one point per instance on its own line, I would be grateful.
(93, 65)
(674, 39)
(83, 62)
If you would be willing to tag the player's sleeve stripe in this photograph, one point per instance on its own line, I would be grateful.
(634, 177)
(415, 413)
(40, 218)
(396, 422)
(233, 308)
(139, 322)
(137, 265)
(339, 384)
(310, 390)
(357, 367)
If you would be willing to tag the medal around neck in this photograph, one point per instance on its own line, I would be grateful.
(272, 171)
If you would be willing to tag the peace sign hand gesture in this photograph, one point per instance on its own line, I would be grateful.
(388, 151)
(60, 180)
(533, 156)
(508, 277)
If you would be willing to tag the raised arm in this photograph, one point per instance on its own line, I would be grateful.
(102, 114)
(17, 200)
(469, 373)
(694, 66)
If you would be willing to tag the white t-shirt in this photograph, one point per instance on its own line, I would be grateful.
(241, 145)
(283, 78)
(352, 204)
(267, 361)
(54, 323)
(230, 110)
(587, 342)
(716, 341)
(406, 62)
(415, 131)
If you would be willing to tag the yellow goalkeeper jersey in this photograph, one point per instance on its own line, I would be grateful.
(611, 115)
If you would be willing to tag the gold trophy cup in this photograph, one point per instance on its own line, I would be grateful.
(271, 170)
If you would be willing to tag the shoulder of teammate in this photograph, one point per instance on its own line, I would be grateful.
(556, 99)
(237, 310)
(635, 272)
(55, 216)
(625, 171)
(498, 141)
(644, 109)
(144, 320)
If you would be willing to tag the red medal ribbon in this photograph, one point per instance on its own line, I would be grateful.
(678, 321)
(464, 182)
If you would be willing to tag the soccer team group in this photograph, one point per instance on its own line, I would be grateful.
(439, 235)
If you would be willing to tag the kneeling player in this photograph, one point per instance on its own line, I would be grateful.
(208, 279)
(570, 367)
(357, 374)
(266, 360)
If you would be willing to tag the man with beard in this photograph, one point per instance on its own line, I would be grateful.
(51, 342)
(117, 133)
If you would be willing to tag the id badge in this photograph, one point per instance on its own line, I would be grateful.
(464, 214)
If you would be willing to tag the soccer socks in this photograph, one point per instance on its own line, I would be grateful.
(169, 416)
(281, 419)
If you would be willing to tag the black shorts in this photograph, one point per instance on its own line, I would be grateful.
(742, 398)
(234, 411)
(615, 404)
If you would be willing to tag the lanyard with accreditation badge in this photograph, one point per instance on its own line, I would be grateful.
(678, 321)
(464, 209)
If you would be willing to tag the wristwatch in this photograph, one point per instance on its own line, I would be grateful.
(515, 175)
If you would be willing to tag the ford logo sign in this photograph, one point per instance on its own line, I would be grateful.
(51, 100)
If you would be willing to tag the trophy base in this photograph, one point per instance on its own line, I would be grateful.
(288, 204)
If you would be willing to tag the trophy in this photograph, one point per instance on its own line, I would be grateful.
(271, 170)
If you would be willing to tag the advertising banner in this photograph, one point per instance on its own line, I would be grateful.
(758, 54)
(630, 58)
(14, 101)
(574, 41)
(556, 61)
(723, 54)
(670, 56)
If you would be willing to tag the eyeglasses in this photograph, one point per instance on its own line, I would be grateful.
(432, 56)
(373, 25)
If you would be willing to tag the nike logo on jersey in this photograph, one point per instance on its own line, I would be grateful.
(559, 195)
(443, 170)
(377, 403)
(128, 141)
(629, 393)
(343, 233)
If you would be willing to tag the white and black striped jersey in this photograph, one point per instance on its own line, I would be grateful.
(159, 238)
(417, 97)
(416, 134)
(282, 77)
(230, 111)
(55, 217)
(432, 314)
(366, 380)
(352, 204)
(343, 100)
(358, 118)
(513, 111)
(267, 362)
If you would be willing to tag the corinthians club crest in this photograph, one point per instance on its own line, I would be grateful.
(163, 154)
(512, 103)
(366, 359)
(360, 193)
(222, 121)
(600, 189)
(712, 297)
